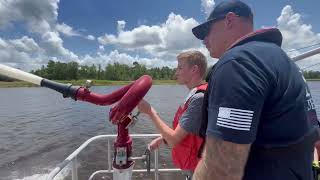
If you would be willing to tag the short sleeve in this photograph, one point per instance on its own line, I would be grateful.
(237, 91)
(191, 119)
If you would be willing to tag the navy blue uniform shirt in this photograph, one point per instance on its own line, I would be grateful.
(258, 96)
(255, 91)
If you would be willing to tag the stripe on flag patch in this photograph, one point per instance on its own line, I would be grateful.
(232, 118)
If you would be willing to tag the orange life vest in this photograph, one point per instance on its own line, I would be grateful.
(185, 154)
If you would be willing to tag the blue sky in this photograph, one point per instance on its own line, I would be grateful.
(150, 32)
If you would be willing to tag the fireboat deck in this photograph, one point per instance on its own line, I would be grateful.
(72, 159)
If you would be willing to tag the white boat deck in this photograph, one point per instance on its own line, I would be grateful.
(72, 158)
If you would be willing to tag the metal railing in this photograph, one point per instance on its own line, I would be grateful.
(72, 158)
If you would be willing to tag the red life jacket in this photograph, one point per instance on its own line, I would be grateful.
(185, 154)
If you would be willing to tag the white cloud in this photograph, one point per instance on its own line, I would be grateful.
(66, 30)
(123, 58)
(137, 38)
(90, 37)
(101, 48)
(38, 14)
(26, 54)
(207, 6)
(25, 44)
(297, 34)
(41, 18)
(53, 47)
(163, 40)
(69, 31)
(121, 25)
(22, 53)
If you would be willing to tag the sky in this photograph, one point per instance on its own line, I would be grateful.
(32, 32)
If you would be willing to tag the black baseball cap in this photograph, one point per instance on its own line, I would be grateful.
(219, 12)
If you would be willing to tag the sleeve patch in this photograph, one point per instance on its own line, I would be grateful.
(237, 119)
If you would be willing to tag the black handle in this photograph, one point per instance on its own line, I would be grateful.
(67, 90)
(147, 160)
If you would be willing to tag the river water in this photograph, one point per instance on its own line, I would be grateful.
(39, 129)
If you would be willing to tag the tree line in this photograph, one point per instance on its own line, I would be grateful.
(311, 74)
(117, 72)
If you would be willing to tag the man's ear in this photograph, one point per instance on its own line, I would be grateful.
(230, 19)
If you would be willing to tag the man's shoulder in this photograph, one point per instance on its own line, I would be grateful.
(255, 47)
(255, 55)
(196, 97)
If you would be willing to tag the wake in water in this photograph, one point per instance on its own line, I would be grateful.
(60, 176)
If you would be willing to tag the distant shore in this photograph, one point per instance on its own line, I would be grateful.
(4, 84)
(313, 79)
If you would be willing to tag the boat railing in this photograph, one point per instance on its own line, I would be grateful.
(72, 158)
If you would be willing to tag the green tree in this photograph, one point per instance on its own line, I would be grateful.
(73, 71)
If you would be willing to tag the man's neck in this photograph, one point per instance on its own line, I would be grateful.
(241, 33)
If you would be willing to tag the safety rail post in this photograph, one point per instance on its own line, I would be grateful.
(109, 156)
(156, 161)
(74, 168)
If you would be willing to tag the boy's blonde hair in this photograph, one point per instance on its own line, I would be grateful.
(194, 58)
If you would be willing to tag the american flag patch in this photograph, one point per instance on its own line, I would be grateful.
(235, 118)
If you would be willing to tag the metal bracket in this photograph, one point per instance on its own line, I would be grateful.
(146, 157)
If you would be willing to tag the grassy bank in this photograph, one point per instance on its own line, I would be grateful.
(313, 79)
(4, 84)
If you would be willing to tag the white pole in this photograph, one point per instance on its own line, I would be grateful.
(20, 75)
(306, 54)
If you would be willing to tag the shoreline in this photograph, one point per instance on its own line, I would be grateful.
(17, 84)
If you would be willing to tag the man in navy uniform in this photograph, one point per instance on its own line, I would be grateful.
(258, 106)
